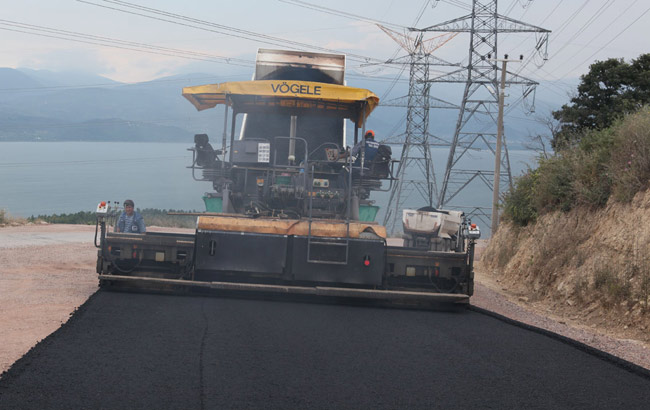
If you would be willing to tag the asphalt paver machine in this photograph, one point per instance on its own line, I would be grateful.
(290, 210)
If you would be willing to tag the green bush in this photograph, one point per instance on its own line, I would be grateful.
(518, 203)
(80, 218)
(157, 217)
(630, 159)
(611, 162)
(553, 188)
(3, 216)
(592, 183)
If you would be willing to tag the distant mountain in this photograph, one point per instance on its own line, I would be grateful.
(41, 104)
(26, 128)
(67, 78)
(11, 79)
(44, 105)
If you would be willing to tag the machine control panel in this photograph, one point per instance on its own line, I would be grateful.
(106, 209)
(264, 152)
(473, 232)
(102, 208)
(251, 152)
(332, 154)
(321, 183)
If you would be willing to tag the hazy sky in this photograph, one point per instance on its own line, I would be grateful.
(583, 31)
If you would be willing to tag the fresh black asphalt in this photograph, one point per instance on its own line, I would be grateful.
(138, 351)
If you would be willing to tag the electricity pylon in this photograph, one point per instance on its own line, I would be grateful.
(416, 150)
(480, 96)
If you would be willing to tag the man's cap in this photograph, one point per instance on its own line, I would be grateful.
(128, 202)
(370, 133)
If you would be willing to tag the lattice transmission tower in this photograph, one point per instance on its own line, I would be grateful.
(480, 97)
(416, 151)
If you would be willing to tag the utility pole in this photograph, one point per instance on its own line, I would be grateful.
(497, 154)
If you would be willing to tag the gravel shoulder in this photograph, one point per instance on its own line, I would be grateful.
(490, 295)
(47, 271)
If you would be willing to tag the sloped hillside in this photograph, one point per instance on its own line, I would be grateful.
(591, 266)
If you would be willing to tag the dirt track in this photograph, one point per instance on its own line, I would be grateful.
(46, 271)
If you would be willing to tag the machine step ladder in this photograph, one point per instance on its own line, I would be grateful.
(325, 250)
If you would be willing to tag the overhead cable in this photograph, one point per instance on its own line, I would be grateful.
(217, 28)
(340, 13)
(610, 41)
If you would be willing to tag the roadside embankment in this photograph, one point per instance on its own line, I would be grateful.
(587, 267)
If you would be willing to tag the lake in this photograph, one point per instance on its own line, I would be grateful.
(62, 177)
(38, 178)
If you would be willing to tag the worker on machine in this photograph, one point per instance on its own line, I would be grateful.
(205, 154)
(130, 221)
(370, 149)
(376, 159)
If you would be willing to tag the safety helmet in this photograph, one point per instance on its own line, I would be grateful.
(369, 134)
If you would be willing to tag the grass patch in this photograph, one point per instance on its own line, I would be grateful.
(6, 218)
(613, 288)
(505, 254)
(581, 289)
(644, 288)
(630, 164)
(152, 217)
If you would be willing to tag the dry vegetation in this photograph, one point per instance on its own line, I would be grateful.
(591, 265)
(576, 235)
(7, 219)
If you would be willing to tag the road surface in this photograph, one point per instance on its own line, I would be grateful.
(125, 350)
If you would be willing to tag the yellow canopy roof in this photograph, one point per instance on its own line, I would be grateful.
(247, 96)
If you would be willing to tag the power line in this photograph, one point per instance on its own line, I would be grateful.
(458, 4)
(540, 23)
(107, 85)
(563, 26)
(50, 32)
(556, 32)
(526, 8)
(604, 29)
(569, 19)
(340, 13)
(399, 75)
(610, 41)
(596, 36)
(509, 9)
(590, 21)
(219, 28)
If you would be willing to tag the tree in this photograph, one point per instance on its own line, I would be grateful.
(611, 89)
(542, 143)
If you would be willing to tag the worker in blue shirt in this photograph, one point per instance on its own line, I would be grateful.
(130, 221)
(370, 148)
